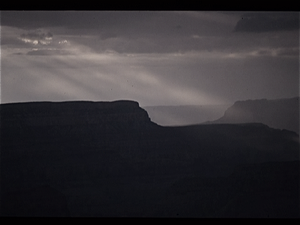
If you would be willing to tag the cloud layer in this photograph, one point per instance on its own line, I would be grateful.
(156, 58)
(37, 37)
(265, 22)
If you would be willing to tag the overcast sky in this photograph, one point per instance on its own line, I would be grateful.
(155, 58)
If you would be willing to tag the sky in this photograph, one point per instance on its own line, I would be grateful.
(153, 57)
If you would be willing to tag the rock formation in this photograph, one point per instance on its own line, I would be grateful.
(107, 159)
(280, 113)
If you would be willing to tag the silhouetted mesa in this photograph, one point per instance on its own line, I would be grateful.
(106, 159)
(70, 122)
(71, 113)
(279, 113)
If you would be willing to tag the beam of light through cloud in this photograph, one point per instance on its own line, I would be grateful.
(88, 75)
(159, 58)
(105, 77)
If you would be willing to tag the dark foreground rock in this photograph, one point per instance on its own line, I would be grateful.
(40, 201)
(107, 159)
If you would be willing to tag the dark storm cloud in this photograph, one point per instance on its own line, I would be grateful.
(132, 32)
(127, 23)
(264, 22)
(70, 19)
(33, 19)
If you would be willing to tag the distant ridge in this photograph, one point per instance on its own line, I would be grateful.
(276, 113)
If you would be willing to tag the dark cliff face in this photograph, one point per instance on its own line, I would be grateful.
(70, 123)
(280, 114)
(109, 159)
(73, 113)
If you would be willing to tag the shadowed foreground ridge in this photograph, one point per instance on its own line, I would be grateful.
(106, 159)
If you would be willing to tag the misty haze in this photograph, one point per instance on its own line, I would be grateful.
(149, 114)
